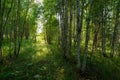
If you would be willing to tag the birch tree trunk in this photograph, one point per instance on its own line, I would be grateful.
(115, 29)
(87, 36)
(78, 33)
(70, 28)
(104, 16)
(80, 14)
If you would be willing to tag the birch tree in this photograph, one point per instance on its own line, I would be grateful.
(87, 36)
(115, 29)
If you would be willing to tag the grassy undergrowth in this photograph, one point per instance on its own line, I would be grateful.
(40, 61)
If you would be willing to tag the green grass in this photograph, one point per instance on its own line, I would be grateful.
(36, 62)
(40, 61)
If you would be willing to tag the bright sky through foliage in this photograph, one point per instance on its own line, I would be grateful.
(38, 1)
(39, 24)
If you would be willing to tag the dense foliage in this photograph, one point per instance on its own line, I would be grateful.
(80, 40)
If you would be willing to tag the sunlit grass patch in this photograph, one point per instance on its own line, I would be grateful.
(60, 74)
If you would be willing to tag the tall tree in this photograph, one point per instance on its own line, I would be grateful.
(115, 28)
(2, 11)
(104, 16)
(87, 35)
(78, 31)
(70, 27)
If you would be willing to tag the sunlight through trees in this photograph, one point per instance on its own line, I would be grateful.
(59, 39)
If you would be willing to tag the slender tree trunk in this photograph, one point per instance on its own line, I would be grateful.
(2, 9)
(0, 30)
(14, 29)
(115, 30)
(104, 31)
(15, 39)
(61, 24)
(78, 33)
(23, 27)
(10, 46)
(74, 27)
(70, 28)
(27, 31)
(64, 28)
(87, 36)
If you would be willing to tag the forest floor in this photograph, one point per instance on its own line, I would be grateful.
(40, 61)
